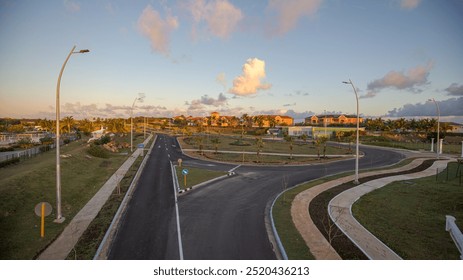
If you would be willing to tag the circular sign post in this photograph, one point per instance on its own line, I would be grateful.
(184, 172)
(42, 210)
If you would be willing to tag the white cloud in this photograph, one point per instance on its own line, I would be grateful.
(156, 29)
(411, 80)
(409, 4)
(289, 12)
(220, 17)
(250, 80)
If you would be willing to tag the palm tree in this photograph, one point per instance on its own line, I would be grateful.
(68, 122)
(86, 126)
(46, 124)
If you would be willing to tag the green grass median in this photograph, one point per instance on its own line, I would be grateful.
(195, 176)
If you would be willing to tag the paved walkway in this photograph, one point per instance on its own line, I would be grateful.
(63, 245)
(340, 210)
(319, 246)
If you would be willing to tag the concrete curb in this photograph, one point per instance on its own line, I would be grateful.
(314, 239)
(207, 182)
(103, 249)
(368, 243)
(65, 242)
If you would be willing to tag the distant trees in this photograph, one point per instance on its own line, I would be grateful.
(402, 125)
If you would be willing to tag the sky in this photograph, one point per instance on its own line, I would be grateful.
(193, 57)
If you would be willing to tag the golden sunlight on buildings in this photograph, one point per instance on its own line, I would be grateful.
(216, 120)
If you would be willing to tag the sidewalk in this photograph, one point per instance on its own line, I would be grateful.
(340, 210)
(319, 246)
(63, 245)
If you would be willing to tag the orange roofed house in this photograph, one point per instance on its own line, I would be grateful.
(333, 119)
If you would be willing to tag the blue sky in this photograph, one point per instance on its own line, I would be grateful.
(193, 57)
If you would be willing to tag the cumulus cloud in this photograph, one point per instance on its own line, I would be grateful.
(205, 100)
(220, 17)
(157, 29)
(411, 80)
(288, 13)
(409, 4)
(250, 80)
(455, 90)
(449, 107)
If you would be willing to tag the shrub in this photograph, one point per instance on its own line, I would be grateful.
(9, 162)
(98, 151)
(6, 149)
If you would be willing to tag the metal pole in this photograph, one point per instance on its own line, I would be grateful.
(356, 181)
(438, 127)
(131, 125)
(59, 217)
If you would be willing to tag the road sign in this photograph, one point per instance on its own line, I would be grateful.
(185, 171)
(38, 209)
(141, 146)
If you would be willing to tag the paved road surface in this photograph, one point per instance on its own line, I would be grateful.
(224, 220)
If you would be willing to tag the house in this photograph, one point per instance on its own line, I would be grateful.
(271, 121)
(97, 134)
(300, 130)
(454, 127)
(340, 119)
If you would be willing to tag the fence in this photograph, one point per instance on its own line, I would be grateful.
(455, 233)
(25, 154)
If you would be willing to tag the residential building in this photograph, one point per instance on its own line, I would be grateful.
(338, 119)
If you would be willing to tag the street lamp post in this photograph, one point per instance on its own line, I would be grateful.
(139, 98)
(438, 150)
(357, 142)
(59, 216)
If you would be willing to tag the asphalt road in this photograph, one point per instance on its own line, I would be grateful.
(224, 220)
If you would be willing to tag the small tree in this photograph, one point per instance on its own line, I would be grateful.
(25, 143)
(289, 139)
(259, 146)
(216, 142)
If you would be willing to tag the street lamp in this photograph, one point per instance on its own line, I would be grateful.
(438, 128)
(139, 98)
(59, 217)
(357, 144)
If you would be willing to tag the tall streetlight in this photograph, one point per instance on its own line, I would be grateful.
(357, 144)
(59, 217)
(140, 98)
(438, 128)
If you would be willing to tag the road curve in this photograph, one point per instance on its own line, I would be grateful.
(222, 220)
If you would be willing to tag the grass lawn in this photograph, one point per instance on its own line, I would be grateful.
(196, 176)
(409, 216)
(270, 146)
(24, 185)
